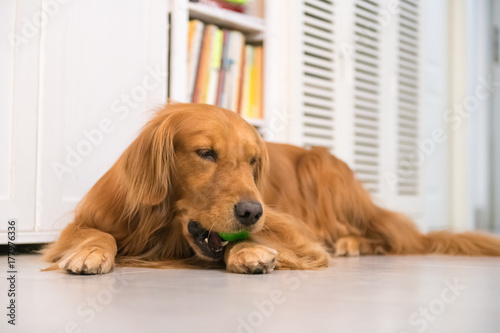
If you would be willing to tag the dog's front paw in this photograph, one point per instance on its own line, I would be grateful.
(89, 260)
(251, 259)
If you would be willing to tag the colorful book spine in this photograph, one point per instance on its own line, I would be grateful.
(232, 71)
(256, 104)
(242, 78)
(223, 68)
(202, 76)
(195, 38)
(215, 62)
(247, 83)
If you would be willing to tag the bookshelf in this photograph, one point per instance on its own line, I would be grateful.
(248, 24)
(257, 26)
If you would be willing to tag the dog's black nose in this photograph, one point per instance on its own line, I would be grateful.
(248, 212)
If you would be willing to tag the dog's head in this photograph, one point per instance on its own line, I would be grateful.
(210, 163)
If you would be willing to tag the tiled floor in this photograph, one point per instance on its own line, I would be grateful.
(367, 294)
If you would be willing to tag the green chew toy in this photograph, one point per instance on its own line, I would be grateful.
(231, 237)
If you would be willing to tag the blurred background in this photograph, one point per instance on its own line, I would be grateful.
(405, 91)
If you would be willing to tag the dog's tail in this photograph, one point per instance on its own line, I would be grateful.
(467, 243)
(401, 236)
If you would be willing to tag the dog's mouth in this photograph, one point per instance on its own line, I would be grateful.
(209, 242)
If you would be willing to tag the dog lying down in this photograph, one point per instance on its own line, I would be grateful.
(197, 170)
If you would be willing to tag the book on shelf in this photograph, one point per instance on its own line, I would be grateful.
(232, 63)
(195, 37)
(222, 70)
(247, 76)
(256, 85)
(215, 63)
(203, 71)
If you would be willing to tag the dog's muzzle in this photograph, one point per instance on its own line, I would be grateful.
(210, 243)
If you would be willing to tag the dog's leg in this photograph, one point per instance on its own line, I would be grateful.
(347, 246)
(83, 251)
(250, 258)
(353, 246)
(294, 242)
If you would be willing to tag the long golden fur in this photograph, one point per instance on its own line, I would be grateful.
(194, 162)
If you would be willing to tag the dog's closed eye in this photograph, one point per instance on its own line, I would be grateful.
(253, 161)
(207, 154)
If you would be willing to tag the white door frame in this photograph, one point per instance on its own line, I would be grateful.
(494, 124)
(467, 115)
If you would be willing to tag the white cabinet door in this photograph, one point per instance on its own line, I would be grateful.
(18, 114)
(103, 69)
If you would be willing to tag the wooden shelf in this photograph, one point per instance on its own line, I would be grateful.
(249, 25)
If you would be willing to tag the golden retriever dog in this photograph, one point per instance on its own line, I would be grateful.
(197, 170)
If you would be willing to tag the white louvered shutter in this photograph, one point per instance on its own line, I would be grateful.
(407, 193)
(408, 97)
(401, 114)
(367, 94)
(314, 101)
(355, 89)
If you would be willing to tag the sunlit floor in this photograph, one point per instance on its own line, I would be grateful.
(367, 294)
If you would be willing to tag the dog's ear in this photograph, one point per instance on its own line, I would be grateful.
(147, 164)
